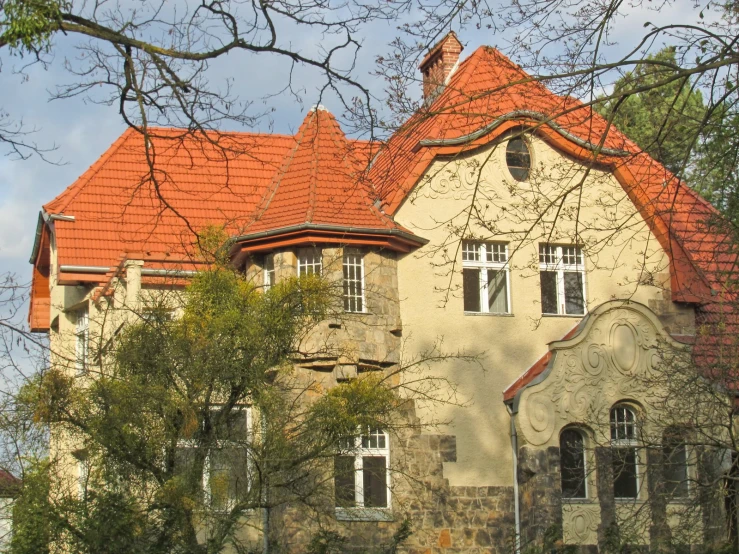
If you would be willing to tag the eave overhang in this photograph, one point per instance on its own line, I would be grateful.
(312, 233)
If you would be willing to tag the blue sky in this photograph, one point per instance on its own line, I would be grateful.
(82, 130)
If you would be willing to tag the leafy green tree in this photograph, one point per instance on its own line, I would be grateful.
(665, 120)
(197, 426)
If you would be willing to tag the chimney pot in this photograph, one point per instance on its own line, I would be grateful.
(438, 65)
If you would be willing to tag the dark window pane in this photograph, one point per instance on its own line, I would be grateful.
(227, 479)
(548, 292)
(574, 301)
(676, 470)
(572, 463)
(374, 478)
(518, 159)
(497, 293)
(344, 481)
(471, 285)
(188, 470)
(624, 473)
(231, 426)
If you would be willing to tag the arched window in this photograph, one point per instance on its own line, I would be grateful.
(572, 464)
(518, 159)
(625, 455)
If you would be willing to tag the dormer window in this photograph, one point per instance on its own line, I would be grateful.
(518, 159)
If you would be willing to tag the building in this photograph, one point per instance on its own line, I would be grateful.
(507, 220)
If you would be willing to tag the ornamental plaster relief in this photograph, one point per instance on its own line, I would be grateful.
(580, 523)
(613, 358)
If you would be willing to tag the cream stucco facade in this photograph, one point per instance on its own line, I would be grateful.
(623, 260)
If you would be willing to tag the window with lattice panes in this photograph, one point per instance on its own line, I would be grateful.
(562, 278)
(269, 271)
(309, 261)
(353, 267)
(624, 452)
(361, 474)
(485, 278)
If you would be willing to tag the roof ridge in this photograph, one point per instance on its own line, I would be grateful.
(275, 182)
(312, 180)
(88, 175)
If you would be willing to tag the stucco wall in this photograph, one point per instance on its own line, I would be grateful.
(561, 199)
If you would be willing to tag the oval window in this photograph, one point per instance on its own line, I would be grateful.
(518, 158)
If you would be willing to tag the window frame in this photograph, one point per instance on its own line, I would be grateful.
(82, 340)
(484, 265)
(626, 443)
(268, 272)
(672, 439)
(585, 468)
(559, 267)
(356, 450)
(509, 151)
(347, 298)
(307, 266)
(205, 479)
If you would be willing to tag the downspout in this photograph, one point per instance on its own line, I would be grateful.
(265, 497)
(516, 506)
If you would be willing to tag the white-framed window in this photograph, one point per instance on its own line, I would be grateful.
(353, 281)
(362, 475)
(82, 340)
(485, 278)
(225, 476)
(309, 261)
(562, 276)
(573, 464)
(625, 453)
(269, 271)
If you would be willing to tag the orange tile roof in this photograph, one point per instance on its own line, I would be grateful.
(262, 184)
(204, 180)
(320, 182)
(488, 96)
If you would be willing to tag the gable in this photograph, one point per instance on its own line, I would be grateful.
(615, 355)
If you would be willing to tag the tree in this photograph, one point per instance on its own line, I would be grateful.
(195, 426)
(664, 121)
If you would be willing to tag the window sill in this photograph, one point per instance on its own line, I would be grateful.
(488, 314)
(578, 501)
(364, 514)
(627, 500)
(569, 316)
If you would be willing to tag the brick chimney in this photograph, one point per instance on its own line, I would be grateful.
(438, 64)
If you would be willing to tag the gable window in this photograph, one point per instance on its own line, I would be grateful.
(361, 475)
(485, 277)
(675, 457)
(225, 476)
(269, 271)
(353, 281)
(624, 452)
(572, 464)
(82, 340)
(562, 275)
(518, 159)
(309, 262)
